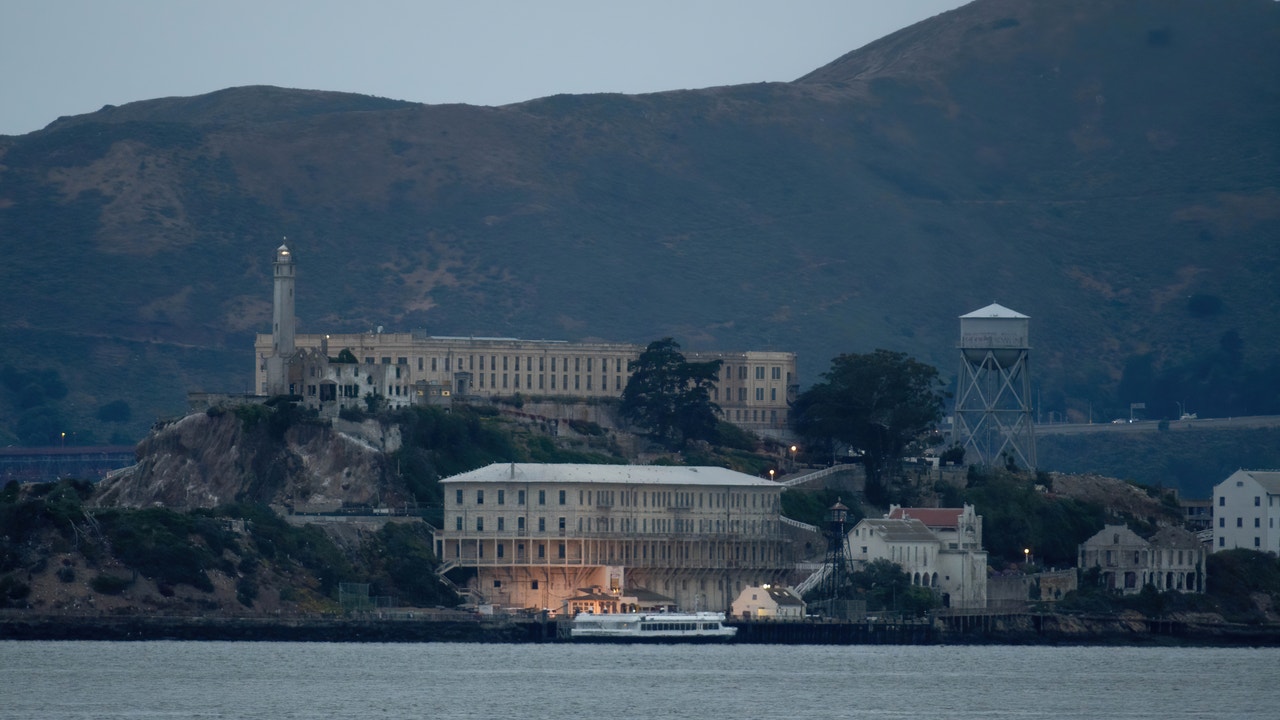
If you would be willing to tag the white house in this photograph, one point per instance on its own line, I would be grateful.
(767, 601)
(947, 557)
(1246, 510)
(1172, 560)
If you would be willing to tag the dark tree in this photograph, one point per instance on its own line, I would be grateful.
(877, 403)
(670, 397)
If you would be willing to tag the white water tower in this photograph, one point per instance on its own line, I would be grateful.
(993, 389)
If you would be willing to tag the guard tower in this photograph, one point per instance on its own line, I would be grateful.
(282, 324)
(836, 570)
(993, 389)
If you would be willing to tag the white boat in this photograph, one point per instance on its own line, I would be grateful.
(661, 627)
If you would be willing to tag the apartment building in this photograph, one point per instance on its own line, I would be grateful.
(527, 535)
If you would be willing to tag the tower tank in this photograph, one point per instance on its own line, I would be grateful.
(992, 420)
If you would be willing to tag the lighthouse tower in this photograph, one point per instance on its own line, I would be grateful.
(282, 324)
(993, 389)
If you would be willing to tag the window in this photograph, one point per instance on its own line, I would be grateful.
(542, 497)
(1222, 522)
(777, 373)
(759, 394)
(1257, 501)
(459, 497)
(1257, 541)
(542, 524)
(561, 551)
(561, 524)
(561, 497)
(520, 497)
(479, 497)
(542, 550)
(498, 583)
(1222, 501)
(459, 523)
(502, 497)
(533, 585)
(502, 524)
(759, 372)
(520, 524)
(1239, 522)
(480, 524)
(1257, 522)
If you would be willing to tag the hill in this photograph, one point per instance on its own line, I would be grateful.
(1108, 167)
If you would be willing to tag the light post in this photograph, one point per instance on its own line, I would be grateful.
(1026, 557)
(64, 439)
(793, 458)
(770, 473)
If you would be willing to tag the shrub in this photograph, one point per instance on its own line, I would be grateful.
(13, 591)
(110, 584)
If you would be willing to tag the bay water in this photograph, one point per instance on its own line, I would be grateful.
(82, 680)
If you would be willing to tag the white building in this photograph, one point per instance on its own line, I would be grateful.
(535, 535)
(1172, 559)
(1246, 511)
(331, 371)
(940, 548)
(768, 602)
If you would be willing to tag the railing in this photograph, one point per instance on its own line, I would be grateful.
(815, 475)
(799, 525)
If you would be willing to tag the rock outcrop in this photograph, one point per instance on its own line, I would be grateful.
(208, 459)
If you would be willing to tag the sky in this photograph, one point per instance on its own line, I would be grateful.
(68, 57)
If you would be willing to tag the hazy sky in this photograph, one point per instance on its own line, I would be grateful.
(67, 57)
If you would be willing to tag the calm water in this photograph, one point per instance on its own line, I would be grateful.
(313, 680)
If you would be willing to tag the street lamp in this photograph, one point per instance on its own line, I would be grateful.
(793, 458)
(1026, 556)
(770, 473)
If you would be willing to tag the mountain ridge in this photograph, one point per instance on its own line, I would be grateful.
(1105, 167)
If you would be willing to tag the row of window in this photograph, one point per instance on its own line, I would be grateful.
(775, 372)
(1257, 522)
(635, 498)
(1257, 541)
(629, 525)
(509, 362)
(1257, 500)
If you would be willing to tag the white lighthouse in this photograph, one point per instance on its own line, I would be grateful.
(282, 324)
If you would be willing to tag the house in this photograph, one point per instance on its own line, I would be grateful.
(1246, 510)
(939, 548)
(529, 535)
(1172, 560)
(768, 602)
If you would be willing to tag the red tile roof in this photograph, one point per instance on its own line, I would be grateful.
(931, 517)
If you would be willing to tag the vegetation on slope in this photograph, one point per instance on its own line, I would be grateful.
(1109, 169)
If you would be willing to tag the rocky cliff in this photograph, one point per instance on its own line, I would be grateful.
(208, 459)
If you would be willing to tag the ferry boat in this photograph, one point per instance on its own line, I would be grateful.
(656, 627)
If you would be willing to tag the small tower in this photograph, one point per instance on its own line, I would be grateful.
(836, 570)
(282, 323)
(993, 389)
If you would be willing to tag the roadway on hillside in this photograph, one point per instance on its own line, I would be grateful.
(1140, 426)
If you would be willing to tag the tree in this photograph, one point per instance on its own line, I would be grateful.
(877, 403)
(671, 397)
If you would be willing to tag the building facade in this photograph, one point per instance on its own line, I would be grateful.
(539, 535)
(336, 370)
(940, 548)
(1246, 511)
(1172, 560)
(768, 602)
